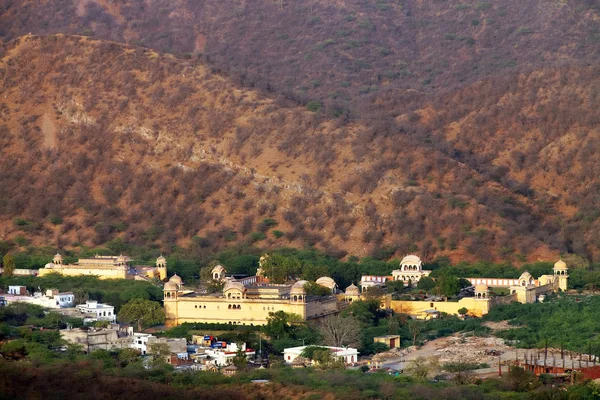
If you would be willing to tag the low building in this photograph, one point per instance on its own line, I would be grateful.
(92, 339)
(98, 311)
(140, 342)
(392, 341)
(224, 356)
(348, 355)
(17, 290)
(51, 299)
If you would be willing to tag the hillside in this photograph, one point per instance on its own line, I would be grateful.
(101, 140)
(340, 53)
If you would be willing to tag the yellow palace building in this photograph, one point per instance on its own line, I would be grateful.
(106, 267)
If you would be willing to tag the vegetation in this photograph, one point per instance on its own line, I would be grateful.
(144, 313)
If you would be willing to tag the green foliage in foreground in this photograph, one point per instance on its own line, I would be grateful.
(571, 321)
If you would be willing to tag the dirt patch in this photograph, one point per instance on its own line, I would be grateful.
(498, 326)
(49, 131)
(199, 43)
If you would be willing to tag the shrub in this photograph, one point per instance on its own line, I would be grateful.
(313, 106)
(278, 234)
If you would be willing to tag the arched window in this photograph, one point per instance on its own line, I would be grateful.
(229, 307)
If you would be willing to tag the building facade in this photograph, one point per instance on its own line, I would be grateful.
(106, 267)
(98, 311)
(242, 304)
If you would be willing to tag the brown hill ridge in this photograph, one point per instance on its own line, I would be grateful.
(123, 142)
(340, 53)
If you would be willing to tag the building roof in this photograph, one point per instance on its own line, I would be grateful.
(298, 287)
(352, 290)
(218, 269)
(560, 265)
(234, 285)
(327, 282)
(482, 287)
(176, 279)
(161, 260)
(411, 259)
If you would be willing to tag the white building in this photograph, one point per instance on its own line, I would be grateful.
(17, 290)
(347, 354)
(140, 342)
(224, 356)
(98, 311)
(52, 299)
(411, 270)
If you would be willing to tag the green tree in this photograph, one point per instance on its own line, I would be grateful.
(426, 283)
(448, 285)
(280, 269)
(240, 360)
(160, 352)
(463, 311)
(421, 367)
(8, 262)
(312, 289)
(281, 324)
(142, 312)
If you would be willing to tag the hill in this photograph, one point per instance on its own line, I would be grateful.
(105, 141)
(339, 53)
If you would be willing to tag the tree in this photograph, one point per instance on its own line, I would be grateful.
(463, 311)
(280, 269)
(421, 367)
(313, 289)
(448, 285)
(426, 284)
(142, 312)
(240, 360)
(340, 331)
(81, 296)
(374, 293)
(160, 352)
(281, 324)
(393, 325)
(8, 262)
(415, 328)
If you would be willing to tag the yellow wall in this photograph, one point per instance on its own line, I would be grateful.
(252, 311)
(476, 307)
(102, 273)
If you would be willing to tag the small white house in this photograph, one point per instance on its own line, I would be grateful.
(140, 342)
(98, 311)
(347, 354)
(17, 290)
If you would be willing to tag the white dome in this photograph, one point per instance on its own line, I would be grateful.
(327, 282)
(49, 265)
(411, 259)
(298, 288)
(176, 279)
(560, 265)
(352, 290)
(482, 287)
(170, 286)
(234, 285)
(161, 260)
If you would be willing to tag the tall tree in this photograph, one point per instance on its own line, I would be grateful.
(142, 312)
(8, 262)
(280, 269)
(340, 331)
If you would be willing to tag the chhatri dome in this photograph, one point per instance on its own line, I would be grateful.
(298, 288)
(352, 290)
(176, 279)
(560, 265)
(161, 260)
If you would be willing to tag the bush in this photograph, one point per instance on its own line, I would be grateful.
(313, 106)
(278, 234)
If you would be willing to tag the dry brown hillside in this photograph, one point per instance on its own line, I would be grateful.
(100, 140)
(341, 52)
